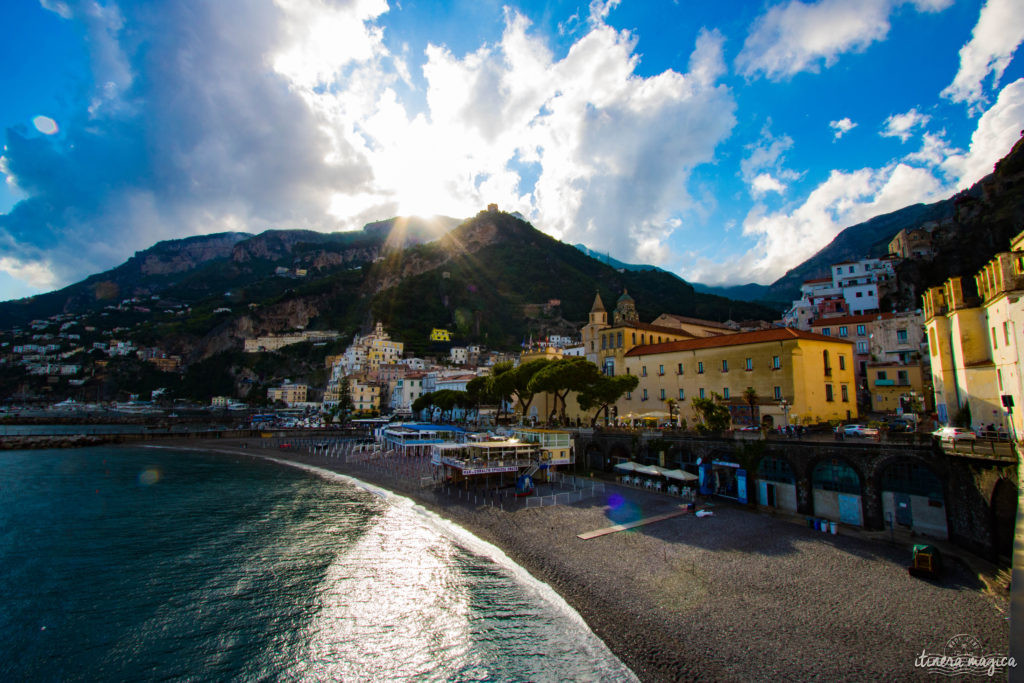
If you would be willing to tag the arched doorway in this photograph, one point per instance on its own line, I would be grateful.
(776, 484)
(594, 457)
(913, 498)
(1004, 516)
(616, 454)
(836, 490)
(768, 422)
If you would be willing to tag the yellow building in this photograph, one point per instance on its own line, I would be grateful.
(963, 372)
(606, 345)
(440, 335)
(799, 377)
(289, 393)
(895, 387)
(365, 395)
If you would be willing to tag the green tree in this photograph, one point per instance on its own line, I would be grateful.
(750, 397)
(670, 403)
(345, 405)
(424, 402)
(713, 415)
(562, 376)
(515, 382)
(603, 392)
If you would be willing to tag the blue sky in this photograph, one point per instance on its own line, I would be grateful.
(726, 142)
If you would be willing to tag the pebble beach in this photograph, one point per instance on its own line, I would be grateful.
(738, 595)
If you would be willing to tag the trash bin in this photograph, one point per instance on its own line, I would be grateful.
(824, 526)
(832, 528)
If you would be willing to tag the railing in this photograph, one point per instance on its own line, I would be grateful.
(981, 448)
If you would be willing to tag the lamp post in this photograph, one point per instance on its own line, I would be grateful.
(784, 407)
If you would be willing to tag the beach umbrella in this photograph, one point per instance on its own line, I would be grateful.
(627, 466)
(681, 475)
(651, 470)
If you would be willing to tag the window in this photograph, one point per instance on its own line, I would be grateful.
(842, 362)
(845, 393)
(862, 347)
(1006, 333)
(725, 392)
(604, 342)
(644, 396)
(842, 331)
(662, 394)
(619, 340)
(682, 396)
(629, 395)
(901, 336)
(776, 362)
(882, 374)
(904, 380)
(850, 270)
(643, 370)
(861, 330)
(634, 339)
(642, 339)
(750, 364)
(778, 393)
(661, 371)
(827, 331)
(828, 393)
(999, 374)
(828, 366)
(860, 294)
(702, 393)
(700, 367)
(995, 342)
(725, 366)
(679, 369)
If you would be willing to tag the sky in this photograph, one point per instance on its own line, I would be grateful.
(724, 141)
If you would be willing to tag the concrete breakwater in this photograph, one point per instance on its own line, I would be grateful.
(31, 441)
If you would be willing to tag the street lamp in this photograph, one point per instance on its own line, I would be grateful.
(784, 407)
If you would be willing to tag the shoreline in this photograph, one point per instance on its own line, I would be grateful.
(738, 595)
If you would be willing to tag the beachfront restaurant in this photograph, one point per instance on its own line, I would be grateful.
(483, 459)
(418, 439)
(555, 446)
(723, 478)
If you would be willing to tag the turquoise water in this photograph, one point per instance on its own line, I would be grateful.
(135, 563)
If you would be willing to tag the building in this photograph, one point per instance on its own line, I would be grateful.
(277, 342)
(963, 373)
(852, 288)
(912, 243)
(405, 390)
(607, 344)
(219, 402)
(288, 393)
(365, 395)
(798, 377)
(879, 338)
(439, 334)
(693, 326)
(898, 388)
(458, 355)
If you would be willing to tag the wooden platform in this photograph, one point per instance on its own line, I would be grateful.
(630, 525)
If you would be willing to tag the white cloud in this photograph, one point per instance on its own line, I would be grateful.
(902, 125)
(763, 183)
(998, 129)
(785, 239)
(841, 127)
(763, 169)
(38, 274)
(1000, 29)
(795, 36)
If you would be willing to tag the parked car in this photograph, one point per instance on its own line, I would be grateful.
(898, 425)
(954, 434)
(859, 430)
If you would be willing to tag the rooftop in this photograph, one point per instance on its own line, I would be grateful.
(741, 338)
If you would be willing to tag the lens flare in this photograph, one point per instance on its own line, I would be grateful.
(45, 125)
(148, 477)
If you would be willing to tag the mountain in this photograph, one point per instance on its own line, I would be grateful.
(492, 280)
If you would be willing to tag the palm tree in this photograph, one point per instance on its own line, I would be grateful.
(750, 396)
(670, 403)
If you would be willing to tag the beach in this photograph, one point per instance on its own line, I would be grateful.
(738, 595)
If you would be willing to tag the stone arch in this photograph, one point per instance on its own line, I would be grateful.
(1004, 516)
(593, 455)
(837, 489)
(616, 452)
(775, 482)
(913, 495)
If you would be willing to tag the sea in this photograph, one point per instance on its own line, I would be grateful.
(134, 563)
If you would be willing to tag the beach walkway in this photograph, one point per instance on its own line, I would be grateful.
(586, 536)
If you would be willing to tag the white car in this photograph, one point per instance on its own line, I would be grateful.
(954, 434)
(859, 430)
